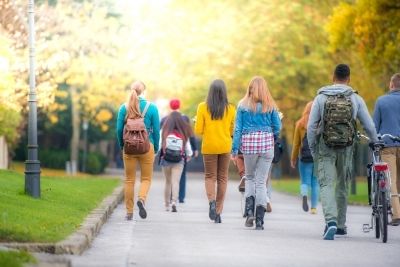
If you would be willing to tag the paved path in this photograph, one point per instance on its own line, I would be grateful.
(188, 238)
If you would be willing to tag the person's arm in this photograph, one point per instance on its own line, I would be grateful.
(155, 121)
(365, 119)
(120, 125)
(237, 135)
(188, 150)
(296, 145)
(313, 123)
(232, 125)
(377, 116)
(276, 123)
(199, 124)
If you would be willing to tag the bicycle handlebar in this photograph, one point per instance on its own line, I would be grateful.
(380, 137)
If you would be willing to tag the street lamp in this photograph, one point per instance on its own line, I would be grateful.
(85, 127)
(32, 164)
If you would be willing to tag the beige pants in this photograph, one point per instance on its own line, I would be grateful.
(172, 176)
(391, 155)
(146, 162)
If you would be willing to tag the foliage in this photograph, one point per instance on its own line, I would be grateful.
(368, 30)
(15, 258)
(56, 214)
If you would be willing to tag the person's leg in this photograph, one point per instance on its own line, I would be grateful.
(263, 165)
(222, 180)
(306, 172)
(314, 189)
(146, 162)
(241, 171)
(325, 160)
(176, 171)
(389, 156)
(130, 175)
(250, 162)
(210, 175)
(344, 167)
(168, 185)
(182, 184)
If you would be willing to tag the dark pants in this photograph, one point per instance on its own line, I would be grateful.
(182, 185)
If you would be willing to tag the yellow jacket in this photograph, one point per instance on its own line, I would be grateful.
(299, 133)
(217, 134)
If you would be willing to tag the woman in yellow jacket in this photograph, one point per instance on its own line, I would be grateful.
(215, 123)
(301, 151)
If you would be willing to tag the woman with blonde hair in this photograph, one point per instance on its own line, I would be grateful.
(144, 115)
(257, 125)
(301, 151)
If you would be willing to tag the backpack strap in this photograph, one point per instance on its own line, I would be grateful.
(145, 109)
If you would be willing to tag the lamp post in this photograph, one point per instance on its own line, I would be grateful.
(32, 164)
(85, 127)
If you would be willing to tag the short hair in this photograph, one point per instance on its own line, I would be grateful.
(342, 72)
(396, 80)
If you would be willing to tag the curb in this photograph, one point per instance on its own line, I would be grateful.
(81, 239)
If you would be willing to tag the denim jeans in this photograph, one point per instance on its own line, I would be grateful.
(182, 184)
(308, 181)
(257, 167)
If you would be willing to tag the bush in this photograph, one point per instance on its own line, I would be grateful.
(95, 162)
(54, 159)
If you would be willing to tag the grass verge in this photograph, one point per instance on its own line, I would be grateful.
(15, 258)
(292, 187)
(64, 203)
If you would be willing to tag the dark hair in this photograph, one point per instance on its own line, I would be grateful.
(176, 123)
(217, 100)
(342, 72)
(396, 80)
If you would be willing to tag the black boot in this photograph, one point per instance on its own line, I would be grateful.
(260, 212)
(249, 211)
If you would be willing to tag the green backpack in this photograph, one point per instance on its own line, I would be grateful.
(339, 125)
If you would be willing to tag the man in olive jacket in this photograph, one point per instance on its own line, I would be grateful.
(334, 166)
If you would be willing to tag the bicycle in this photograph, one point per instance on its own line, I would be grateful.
(379, 183)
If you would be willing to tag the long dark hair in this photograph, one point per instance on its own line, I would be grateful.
(217, 100)
(176, 123)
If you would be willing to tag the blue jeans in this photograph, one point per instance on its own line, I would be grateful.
(182, 184)
(308, 181)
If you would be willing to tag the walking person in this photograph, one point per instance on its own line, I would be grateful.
(257, 122)
(330, 133)
(138, 116)
(214, 122)
(175, 150)
(174, 105)
(387, 121)
(301, 153)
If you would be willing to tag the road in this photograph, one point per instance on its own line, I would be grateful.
(188, 238)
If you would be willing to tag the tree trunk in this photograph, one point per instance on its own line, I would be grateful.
(75, 129)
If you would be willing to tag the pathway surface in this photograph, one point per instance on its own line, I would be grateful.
(188, 238)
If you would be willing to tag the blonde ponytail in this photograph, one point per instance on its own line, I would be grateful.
(133, 111)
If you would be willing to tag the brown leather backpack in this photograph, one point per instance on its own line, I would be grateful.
(136, 138)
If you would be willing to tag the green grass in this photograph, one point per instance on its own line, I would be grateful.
(64, 203)
(292, 187)
(15, 258)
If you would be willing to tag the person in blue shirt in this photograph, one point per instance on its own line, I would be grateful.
(257, 122)
(387, 121)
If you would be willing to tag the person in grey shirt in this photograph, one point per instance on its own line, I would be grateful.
(387, 121)
(332, 165)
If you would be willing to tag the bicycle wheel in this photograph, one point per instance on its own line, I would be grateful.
(383, 217)
(376, 215)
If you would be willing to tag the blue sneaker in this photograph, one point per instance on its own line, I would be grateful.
(330, 231)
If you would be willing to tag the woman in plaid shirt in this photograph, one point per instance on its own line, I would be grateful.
(257, 123)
